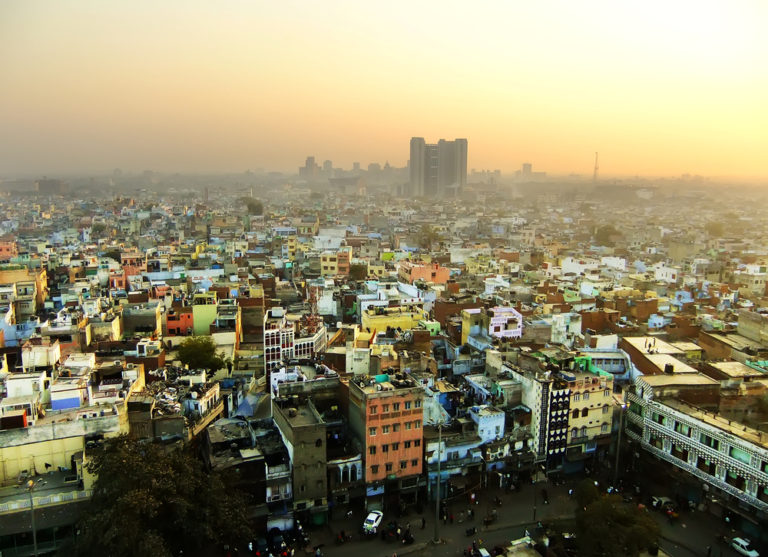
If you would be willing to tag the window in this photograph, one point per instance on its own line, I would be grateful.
(406, 444)
(604, 428)
(576, 413)
(372, 449)
(606, 392)
(395, 446)
(385, 429)
(605, 409)
(395, 427)
(374, 409)
(396, 406)
(408, 405)
(586, 395)
(372, 431)
(403, 464)
(417, 425)
(417, 443)
(575, 432)
(585, 412)
(385, 448)
(375, 469)
(583, 431)
(576, 397)
(385, 408)
(418, 404)
(319, 443)
(414, 463)
(407, 425)
(388, 467)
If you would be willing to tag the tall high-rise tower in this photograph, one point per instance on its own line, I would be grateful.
(438, 170)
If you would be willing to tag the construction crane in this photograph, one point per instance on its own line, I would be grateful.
(594, 174)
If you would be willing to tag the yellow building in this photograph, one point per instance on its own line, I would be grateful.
(591, 411)
(380, 318)
(203, 312)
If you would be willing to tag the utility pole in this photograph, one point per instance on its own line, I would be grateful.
(30, 487)
(437, 499)
(618, 445)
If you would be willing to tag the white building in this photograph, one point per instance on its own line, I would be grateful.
(490, 422)
(729, 457)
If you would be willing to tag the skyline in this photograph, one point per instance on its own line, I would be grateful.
(657, 90)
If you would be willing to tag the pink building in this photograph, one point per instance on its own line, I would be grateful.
(428, 272)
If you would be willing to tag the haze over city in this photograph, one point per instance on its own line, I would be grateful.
(658, 88)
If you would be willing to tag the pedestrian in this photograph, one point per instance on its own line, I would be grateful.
(445, 519)
(408, 526)
(709, 551)
(461, 517)
(423, 522)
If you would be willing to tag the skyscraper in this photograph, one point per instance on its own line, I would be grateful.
(437, 170)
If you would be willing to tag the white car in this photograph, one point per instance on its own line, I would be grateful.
(372, 522)
(743, 546)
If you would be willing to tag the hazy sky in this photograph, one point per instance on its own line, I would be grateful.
(658, 87)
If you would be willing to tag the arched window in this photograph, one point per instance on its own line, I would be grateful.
(584, 412)
(575, 432)
(583, 431)
(319, 443)
(576, 413)
(353, 474)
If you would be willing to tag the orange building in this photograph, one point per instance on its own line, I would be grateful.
(386, 414)
(8, 250)
(428, 272)
(179, 321)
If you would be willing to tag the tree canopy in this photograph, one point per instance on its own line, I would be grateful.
(604, 235)
(714, 228)
(151, 499)
(200, 352)
(255, 207)
(608, 526)
(358, 272)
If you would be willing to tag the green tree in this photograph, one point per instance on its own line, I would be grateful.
(427, 236)
(358, 272)
(604, 235)
(608, 526)
(714, 228)
(200, 352)
(150, 499)
(255, 207)
(586, 493)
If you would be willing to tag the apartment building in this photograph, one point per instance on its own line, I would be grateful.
(676, 419)
(386, 415)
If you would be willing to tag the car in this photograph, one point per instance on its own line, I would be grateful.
(372, 522)
(659, 503)
(260, 548)
(744, 547)
(277, 544)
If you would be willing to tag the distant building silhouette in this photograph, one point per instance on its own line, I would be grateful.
(310, 170)
(50, 186)
(438, 170)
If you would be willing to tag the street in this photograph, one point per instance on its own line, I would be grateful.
(689, 536)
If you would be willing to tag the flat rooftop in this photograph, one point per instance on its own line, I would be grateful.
(736, 369)
(652, 345)
(735, 428)
(682, 379)
(304, 416)
(661, 360)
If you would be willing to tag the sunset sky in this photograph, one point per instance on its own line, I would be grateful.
(657, 87)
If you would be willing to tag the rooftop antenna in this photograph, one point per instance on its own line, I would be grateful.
(594, 174)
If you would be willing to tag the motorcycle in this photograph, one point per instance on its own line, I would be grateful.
(342, 538)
